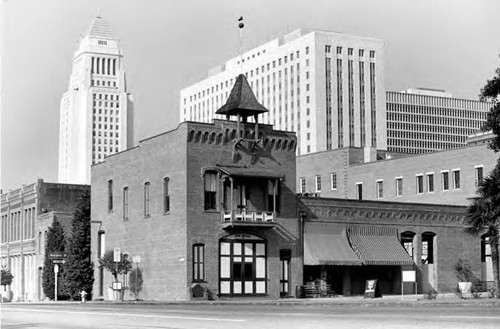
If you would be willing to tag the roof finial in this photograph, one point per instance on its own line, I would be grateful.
(241, 25)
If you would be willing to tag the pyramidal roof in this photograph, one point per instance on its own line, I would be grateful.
(99, 28)
(241, 100)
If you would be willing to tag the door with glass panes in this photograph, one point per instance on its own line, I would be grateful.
(243, 265)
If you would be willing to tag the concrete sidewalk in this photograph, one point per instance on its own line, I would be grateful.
(388, 300)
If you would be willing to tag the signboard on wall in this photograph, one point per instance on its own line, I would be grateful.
(409, 276)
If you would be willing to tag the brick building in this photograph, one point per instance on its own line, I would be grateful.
(208, 204)
(444, 177)
(26, 214)
(347, 242)
(214, 206)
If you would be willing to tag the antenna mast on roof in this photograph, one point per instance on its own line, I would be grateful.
(241, 26)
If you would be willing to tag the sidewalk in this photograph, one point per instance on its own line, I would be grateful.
(388, 300)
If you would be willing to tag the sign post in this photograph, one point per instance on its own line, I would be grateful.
(56, 271)
(408, 276)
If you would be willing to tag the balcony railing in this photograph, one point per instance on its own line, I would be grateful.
(248, 217)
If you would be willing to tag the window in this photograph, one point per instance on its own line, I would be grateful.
(198, 263)
(273, 200)
(428, 247)
(372, 54)
(445, 181)
(380, 189)
(485, 249)
(302, 184)
(210, 191)
(333, 180)
(430, 182)
(110, 195)
(318, 183)
(359, 191)
(166, 195)
(146, 199)
(420, 184)
(339, 50)
(478, 175)
(456, 179)
(407, 242)
(399, 186)
(125, 203)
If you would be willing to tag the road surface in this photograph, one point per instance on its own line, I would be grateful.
(85, 316)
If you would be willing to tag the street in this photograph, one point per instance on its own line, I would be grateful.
(65, 315)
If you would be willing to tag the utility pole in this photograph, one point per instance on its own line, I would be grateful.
(56, 271)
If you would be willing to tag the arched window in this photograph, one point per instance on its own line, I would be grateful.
(428, 247)
(146, 199)
(110, 195)
(125, 203)
(407, 242)
(166, 195)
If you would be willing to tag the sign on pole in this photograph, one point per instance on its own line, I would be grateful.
(58, 261)
(56, 270)
(409, 276)
(136, 259)
(56, 255)
(116, 255)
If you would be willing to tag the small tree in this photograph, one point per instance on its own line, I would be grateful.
(121, 267)
(491, 92)
(79, 270)
(7, 277)
(55, 242)
(135, 282)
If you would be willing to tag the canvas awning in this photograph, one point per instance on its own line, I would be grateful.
(378, 245)
(327, 244)
(250, 172)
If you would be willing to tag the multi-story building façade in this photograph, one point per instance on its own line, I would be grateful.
(326, 86)
(96, 115)
(27, 213)
(427, 120)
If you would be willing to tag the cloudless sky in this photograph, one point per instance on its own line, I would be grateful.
(168, 45)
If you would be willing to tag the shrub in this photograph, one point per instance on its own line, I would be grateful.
(431, 294)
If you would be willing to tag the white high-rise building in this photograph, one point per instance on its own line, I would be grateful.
(326, 86)
(96, 115)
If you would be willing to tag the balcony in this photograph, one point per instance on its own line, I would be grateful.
(261, 219)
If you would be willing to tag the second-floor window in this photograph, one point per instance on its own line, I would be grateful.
(399, 186)
(456, 179)
(445, 180)
(125, 202)
(333, 180)
(110, 195)
(318, 183)
(380, 189)
(210, 191)
(146, 198)
(359, 191)
(478, 173)
(302, 185)
(166, 195)
(430, 182)
(273, 195)
(420, 184)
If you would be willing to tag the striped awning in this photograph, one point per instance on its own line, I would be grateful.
(327, 244)
(378, 245)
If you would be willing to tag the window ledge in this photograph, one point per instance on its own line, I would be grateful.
(198, 281)
(166, 213)
(147, 216)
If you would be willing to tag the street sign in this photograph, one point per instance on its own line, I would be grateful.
(58, 261)
(56, 268)
(54, 255)
(136, 259)
(116, 255)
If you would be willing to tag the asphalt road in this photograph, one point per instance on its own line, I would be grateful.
(80, 316)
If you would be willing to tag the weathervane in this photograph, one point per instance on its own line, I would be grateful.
(241, 26)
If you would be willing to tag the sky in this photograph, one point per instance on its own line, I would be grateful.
(168, 45)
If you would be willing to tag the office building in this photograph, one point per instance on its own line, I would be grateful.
(427, 120)
(96, 114)
(326, 86)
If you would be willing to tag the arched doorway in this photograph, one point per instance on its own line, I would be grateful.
(242, 265)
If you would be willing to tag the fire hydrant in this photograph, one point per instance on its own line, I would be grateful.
(83, 294)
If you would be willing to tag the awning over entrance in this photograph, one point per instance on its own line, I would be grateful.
(250, 172)
(327, 244)
(378, 245)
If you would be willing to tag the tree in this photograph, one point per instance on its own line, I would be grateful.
(55, 242)
(6, 277)
(491, 92)
(483, 217)
(135, 282)
(121, 267)
(79, 269)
